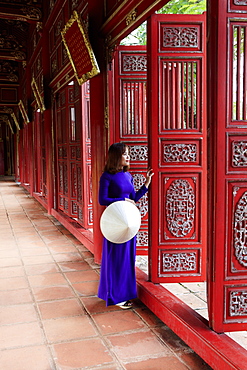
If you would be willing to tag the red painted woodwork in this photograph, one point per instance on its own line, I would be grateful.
(177, 147)
(227, 65)
(73, 157)
(87, 208)
(127, 16)
(1, 158)
(130, 66)
(37, 154)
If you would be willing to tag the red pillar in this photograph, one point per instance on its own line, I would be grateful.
(48, 122)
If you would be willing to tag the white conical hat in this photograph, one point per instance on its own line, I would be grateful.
(120, 222)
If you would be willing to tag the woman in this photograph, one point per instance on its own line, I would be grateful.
(117, 277)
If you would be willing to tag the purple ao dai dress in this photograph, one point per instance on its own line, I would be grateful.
(117, 275)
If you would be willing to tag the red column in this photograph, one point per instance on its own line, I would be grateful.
(48, 122)
(98, 150)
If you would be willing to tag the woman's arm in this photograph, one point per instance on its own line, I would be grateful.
(137, 195)
(104, 199)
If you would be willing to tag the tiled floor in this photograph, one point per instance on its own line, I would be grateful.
(50, 316)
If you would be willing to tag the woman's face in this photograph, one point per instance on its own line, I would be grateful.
(125, 158)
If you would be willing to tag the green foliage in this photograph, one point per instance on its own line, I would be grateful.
(138, 36)
(184, 7)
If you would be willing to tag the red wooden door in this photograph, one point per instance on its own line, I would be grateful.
(73, 154)
(131, 122)
(227, 66)
(177, 147)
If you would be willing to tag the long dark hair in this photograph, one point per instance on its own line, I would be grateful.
(115, 152)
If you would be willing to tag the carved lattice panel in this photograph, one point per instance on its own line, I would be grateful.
(178, 208)
(237, 235)
(183, 262)
(236, 303)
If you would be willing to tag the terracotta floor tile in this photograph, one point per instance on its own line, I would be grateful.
(15, 297)
(27, 239)
(31, 245)
(48, 268)
(5, 262)
(170, 338)
(9, 253)
(159, 363)
(8, 244)
(86, 289)
(26, 252)
(64, 257)
(50, 293)
(20, 335)
(33, 260)
(148, 316)
(64, 308)
(81, 276)
(27, 358)
(91, 352)
(19, 282)
(118, 321)
(68, 328)
(137, 344)
(47, 280)
(69, 248)
(193, 361)
(96, 305)
(12, 272)
(17, 314)
(74, 266)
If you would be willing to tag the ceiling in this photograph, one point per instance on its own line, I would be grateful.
(16, 19)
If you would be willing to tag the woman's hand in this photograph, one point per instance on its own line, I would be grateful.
(149, 175)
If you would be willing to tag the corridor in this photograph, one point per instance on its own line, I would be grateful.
(50, 316)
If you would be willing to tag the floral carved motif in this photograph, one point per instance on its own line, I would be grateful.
(134, 63)
(179, 261)
(142, 238)
(186, 37)
(240, 230)
(238, 303)
(240, 2)
(180, 208)
(239, 154)
(138, 153)
(180, 153)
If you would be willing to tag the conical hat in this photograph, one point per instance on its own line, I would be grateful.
(120, 222)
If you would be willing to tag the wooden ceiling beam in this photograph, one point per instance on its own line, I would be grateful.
(21, 13)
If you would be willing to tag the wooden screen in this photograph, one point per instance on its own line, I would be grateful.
(73, 158)
(131, 122)
(227, 66)
(177, 147)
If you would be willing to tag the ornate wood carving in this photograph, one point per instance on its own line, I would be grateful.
(180, 153)
(180, 208)
(238, 303)
(240, 230)
(181, 262)
(177, 37)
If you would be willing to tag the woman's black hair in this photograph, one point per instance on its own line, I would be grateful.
(115, 152)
